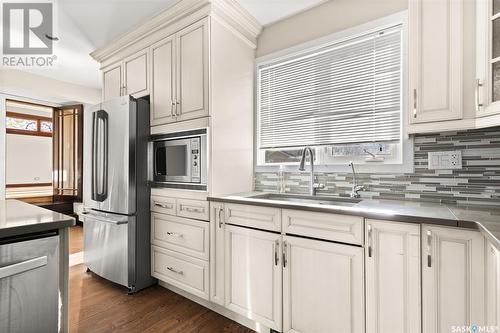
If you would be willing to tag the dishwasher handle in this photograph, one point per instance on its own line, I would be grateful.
(21, 267)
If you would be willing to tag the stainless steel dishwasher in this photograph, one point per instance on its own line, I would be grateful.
(29, 283)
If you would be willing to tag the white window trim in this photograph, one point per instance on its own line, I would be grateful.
(407, 165)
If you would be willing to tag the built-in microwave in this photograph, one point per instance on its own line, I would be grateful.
(179, 160)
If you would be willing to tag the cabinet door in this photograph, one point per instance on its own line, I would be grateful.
(435, 56)
(163, 82)
(217, 253)
(488, 57)
(253, 275)
(322, 287)
(392, 255)
(452, 278)
(136, 74)
(112, 80)
(192, 64)
(492, 285)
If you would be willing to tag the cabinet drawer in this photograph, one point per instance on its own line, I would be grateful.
(179, 234)
(193, 209)
(163, 205)
(334, 227)
(265, 218)
(181, 271)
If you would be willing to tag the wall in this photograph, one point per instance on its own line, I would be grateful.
(325, 19)
(24, 84)
(28, 157)
(477, 183)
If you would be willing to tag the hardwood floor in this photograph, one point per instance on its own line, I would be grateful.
(97, 305)
(75, 239)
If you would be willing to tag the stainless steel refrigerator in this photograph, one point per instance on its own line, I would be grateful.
(116, 222)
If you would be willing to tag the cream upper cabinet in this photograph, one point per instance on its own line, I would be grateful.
(112, 78)
(452, 278)
(163, 82)
(488, 57)
(192, 67)
(435, 60)
(253, 278)
(392, 253)
(128, 77)
(180, 75)
(322, 287)
(492, 257)
(217, 252)
(135, 70)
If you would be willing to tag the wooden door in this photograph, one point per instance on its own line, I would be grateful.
(392, 255)
(452, 278)
(68, 152)
(253, 278)
(192, 64)
(322, 287)
(492, 285)
(435, 60)
(163, 82)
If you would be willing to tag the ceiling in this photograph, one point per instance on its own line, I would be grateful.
(83, 26)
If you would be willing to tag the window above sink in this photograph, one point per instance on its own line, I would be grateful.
(343, 95)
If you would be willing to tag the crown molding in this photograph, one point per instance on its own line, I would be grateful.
(229, 10)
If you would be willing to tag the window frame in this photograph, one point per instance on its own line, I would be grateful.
(23, 116)
(404, 164)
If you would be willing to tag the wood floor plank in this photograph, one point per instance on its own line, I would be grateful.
(99, 306)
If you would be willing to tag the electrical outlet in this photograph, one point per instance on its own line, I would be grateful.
(445, 160)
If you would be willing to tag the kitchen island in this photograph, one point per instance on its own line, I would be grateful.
(33, 268)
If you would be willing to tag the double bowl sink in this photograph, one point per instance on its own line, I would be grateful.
(308, 200)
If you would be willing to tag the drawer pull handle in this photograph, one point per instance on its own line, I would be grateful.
(192, 210)
(174, 234)
(157, 204)
(175, 271)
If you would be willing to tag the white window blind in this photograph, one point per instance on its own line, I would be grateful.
(349, 92)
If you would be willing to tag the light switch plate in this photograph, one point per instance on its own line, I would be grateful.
(445, 160)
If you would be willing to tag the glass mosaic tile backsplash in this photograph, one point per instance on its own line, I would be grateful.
(477, 183)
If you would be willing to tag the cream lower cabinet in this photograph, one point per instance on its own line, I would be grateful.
(392, 253)
(322, 287)
(492, 258)
(452, 279)
(217, 253)
(253, 279)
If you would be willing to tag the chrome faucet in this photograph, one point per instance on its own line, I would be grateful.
(355, 187)
(313, 186)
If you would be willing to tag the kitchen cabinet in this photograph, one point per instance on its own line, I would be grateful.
(392, 253)
(492, 258)
(217, 253)
(487, 57)
(127, 77)
(452, 278)
(253, 275)
(180, 75)
(112, 82)
(322, 287)
(435, 60)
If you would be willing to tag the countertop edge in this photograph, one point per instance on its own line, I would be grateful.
(37, 227)
(455, 222)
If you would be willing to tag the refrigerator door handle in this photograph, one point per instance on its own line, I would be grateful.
(100, 118)
(100, 218)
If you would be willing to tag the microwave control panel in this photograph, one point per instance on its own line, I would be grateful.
(195, 160)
